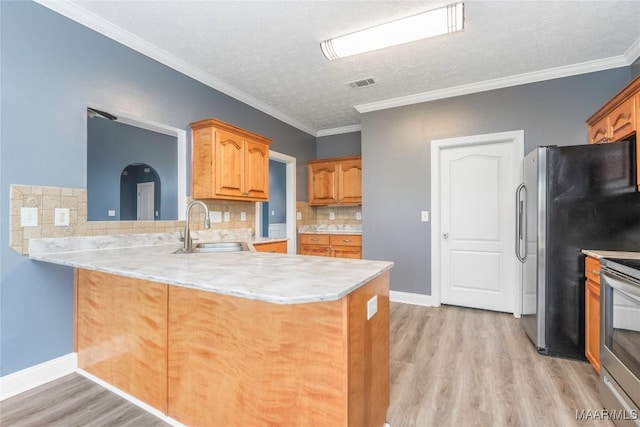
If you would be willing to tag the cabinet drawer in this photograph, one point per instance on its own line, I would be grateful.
(592, 269)
(279, 247)
(622, 120)
(314, 239)
(346, 240)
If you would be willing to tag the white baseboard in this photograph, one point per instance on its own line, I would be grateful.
(410, 298)
(35, 376)
(131, 399)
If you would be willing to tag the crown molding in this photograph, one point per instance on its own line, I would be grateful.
(339, 130)
(520, 79)
(106, 28)
(633, 53)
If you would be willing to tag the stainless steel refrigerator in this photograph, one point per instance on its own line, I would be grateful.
(572, 198)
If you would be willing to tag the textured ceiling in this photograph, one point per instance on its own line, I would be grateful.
(267, 53)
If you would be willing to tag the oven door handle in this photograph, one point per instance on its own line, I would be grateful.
(621, 283)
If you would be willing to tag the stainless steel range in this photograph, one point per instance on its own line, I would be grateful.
(620, 340)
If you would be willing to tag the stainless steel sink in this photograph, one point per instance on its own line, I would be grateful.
(216, 247)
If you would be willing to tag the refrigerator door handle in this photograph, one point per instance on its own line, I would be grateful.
(521, 223)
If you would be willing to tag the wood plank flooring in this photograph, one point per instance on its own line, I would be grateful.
(453, 366)
(450, 366)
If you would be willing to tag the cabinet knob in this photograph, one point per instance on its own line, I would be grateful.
(445, 235)
(595, 272)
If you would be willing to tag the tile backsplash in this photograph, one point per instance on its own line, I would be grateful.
(313, 215)
(47, 199)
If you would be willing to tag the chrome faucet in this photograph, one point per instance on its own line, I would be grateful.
(188, 244)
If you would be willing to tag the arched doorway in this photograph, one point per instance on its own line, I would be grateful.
(139, 193)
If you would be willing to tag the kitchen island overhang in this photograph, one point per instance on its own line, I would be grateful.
(236, 339)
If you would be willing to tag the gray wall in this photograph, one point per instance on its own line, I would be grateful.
(111, 147)
(396, 156)
(346, 144)
(635, 68)
(51, 69)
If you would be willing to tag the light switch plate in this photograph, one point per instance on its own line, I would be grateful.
(332, 216)
(424, 216)
(61, 217)
(227, 217)
(111, 212)
(216, 216)
(372, 307)
(243, 216)
(28, 217)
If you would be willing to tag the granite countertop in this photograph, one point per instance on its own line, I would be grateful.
(269, 277)
(610, 254)
(330, 229)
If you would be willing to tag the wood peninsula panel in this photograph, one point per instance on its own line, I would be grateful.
(369, 355)
(121, 333)
(240, 362)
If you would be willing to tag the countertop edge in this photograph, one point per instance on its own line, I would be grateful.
(599, 254)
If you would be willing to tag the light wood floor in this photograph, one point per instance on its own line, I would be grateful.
(450, 366)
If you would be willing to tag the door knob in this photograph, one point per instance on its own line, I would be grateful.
(445, 235)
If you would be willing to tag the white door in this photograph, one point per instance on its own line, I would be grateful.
(477, 265)
(146, 201)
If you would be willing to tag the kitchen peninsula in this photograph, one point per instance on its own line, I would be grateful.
(243, 338)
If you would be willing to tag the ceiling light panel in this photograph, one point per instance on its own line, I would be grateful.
(435, 22)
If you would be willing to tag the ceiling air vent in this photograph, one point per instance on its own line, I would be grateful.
(362, 83)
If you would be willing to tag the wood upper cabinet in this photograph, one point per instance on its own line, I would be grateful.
(592, 312)
(335, 181)
(618, 119)
(228, 162)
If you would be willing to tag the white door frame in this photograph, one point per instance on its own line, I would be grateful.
(437, 145)
(290, 163)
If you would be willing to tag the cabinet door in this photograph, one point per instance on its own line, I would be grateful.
(256, 170)
(323, 183)
(599, 132)
(350, 182)
(354, 252)
(592, 323)
(315, 250)
(229, 164)
(622, 120)
(202, 163)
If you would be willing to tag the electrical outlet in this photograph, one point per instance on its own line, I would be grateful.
(358, 216)
(61, 217)
(424, 216)
(298, 216)
(372, 307)
(28, 217)
(243, 216)
(215, 216)
(227, 217)
(332, 216)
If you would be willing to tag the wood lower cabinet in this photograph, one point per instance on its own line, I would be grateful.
(335, 181)
(278, 247)
(228, 163)
(331, 245)
(208, 359)
(592, 311)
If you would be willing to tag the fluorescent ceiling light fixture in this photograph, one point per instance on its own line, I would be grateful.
(435, 22)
